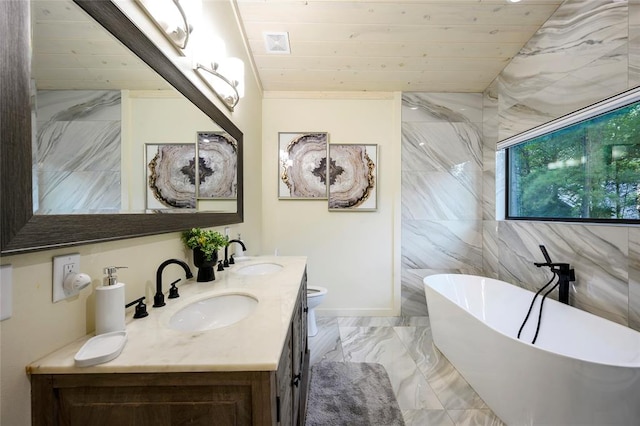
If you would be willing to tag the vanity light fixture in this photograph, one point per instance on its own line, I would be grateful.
(170, 17)
(222, 74)
(225, 78)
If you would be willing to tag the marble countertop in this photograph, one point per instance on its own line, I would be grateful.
(252, 344)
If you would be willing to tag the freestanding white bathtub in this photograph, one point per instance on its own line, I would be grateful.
(582, 370)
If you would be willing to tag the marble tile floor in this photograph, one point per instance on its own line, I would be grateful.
(428, 388)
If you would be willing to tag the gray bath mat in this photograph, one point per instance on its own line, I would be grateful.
(351, 394)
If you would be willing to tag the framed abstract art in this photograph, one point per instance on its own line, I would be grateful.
(171, 171)
(302, 165)
(217, 166)
(352, 174)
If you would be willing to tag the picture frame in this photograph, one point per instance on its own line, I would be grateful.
(170, 176)
(217, 166)
(353, 177)
(302, 165)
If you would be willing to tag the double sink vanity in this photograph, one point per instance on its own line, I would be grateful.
(228, 352)
(249, 364)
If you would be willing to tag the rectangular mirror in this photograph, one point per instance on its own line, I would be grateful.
(97, 106)
(22, 178)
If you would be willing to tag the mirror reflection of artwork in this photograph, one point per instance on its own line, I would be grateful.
(352, 175)
(218, 158)
(171, 176)
(302, 171)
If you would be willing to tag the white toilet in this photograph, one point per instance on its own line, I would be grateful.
(315, 296)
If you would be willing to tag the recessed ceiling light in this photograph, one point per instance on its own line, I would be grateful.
(277, 42)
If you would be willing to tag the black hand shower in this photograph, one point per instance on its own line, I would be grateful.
(545, 253)
(535, 337)
(531, 306)
(566, 274)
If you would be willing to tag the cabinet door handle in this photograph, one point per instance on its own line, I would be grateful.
(296, 380)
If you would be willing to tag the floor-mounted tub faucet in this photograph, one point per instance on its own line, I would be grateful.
(226, 250)
(158, 299)
(565, 273)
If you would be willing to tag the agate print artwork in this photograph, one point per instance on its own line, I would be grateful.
(175, 180)
(171, 176)
(302, 165)
(352, 177)
(311, 168)
(217, 160)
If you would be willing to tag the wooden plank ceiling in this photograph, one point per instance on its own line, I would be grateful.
(371, 45)
(72, 51)
(419, 45)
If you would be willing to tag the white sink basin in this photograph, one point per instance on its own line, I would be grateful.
(213, 312)
(243, 259)
(259, 269)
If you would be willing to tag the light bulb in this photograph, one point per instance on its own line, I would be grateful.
(233, 69)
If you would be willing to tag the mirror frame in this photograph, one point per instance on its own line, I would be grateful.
(20, 230)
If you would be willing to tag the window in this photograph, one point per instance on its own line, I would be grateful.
(582, 167)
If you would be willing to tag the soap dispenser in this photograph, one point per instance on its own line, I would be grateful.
(110, 304)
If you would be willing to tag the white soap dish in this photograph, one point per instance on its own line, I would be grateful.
(101, 348)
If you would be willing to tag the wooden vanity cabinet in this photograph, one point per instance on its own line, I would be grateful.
(292, 377)
(195, 398)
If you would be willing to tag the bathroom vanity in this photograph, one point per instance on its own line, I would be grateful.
(253, 372)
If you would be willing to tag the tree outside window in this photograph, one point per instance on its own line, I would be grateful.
(588, 170)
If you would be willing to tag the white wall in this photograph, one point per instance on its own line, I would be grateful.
(353, 254)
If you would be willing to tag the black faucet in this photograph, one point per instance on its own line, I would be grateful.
(565, 274)
(226, 250)
(158, 299)
(141, 308)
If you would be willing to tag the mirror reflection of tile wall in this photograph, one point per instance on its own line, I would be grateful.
(78, 147)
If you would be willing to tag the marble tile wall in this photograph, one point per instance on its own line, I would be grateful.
(78, 151)
(586, 52)
(491, 192)
(452, 222)
(442, 207)
(599, 254)
(634, 278)
(634, 43)
(578, 57)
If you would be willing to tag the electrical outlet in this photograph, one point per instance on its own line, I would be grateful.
(69, 268)
(62, 266)
(227, 231)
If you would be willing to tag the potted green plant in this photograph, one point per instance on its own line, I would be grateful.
(205, 245)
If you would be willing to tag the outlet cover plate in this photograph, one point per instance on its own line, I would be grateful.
(61, 266)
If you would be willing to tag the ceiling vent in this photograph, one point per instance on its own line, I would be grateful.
(277, 43)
